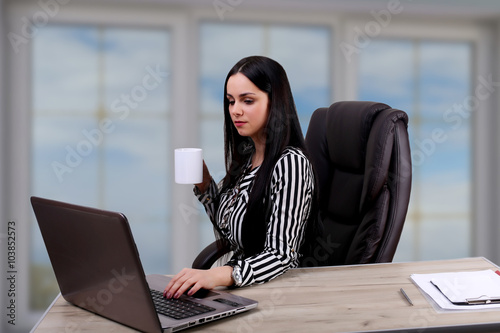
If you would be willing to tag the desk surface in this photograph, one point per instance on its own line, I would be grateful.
(362, 298)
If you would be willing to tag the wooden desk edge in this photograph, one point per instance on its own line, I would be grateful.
(459, 328)
(42, 317)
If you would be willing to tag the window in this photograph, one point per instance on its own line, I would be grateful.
(429, 80)
(101, 118)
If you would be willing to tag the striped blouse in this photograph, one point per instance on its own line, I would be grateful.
(292, 185)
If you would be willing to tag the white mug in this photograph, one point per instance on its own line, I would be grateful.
(188, 165)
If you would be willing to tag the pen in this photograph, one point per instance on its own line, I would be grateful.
(406, 296)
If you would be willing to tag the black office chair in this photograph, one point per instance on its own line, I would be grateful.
(362, 157)
(361, 154)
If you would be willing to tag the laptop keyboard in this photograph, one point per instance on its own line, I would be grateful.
(177, 308)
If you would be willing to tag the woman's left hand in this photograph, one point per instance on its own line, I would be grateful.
(196, 279)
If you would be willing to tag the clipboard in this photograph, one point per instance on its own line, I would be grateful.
(469, 288)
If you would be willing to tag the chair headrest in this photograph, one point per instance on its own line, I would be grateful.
(348, 128)
(354, 137)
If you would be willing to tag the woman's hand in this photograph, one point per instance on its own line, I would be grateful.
(207, 179)
(197, 279)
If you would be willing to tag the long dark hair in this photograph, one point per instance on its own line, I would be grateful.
(282, 130)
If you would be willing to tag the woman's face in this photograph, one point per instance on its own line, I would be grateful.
(248, 107)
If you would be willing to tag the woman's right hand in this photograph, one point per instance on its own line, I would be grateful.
(207, 179)
(196, 279)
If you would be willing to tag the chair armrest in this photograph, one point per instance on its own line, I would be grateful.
(209, 255)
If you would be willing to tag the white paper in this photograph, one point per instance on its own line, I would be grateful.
(461, 284)
(469, 286)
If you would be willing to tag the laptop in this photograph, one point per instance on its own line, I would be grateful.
(97, 267)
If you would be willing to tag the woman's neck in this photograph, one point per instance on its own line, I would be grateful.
(258, 155)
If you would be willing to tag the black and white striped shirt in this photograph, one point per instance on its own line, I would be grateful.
(291, 192)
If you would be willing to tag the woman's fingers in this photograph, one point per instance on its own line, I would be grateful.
(175, 284)
(194, 288)
(196, 279)
(186, 279)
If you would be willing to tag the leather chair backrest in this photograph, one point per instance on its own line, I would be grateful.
(361, 154)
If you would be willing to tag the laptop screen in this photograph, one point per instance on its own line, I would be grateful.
(96, 262)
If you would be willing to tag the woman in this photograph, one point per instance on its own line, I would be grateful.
(264, 206)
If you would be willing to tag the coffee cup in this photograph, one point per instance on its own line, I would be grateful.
(188, 165)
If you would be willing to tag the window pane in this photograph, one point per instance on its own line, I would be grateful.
(55, 157)
(222, 45)
(136, 70)
(100, 134)
(386, 74)
(426, 79)
(444, 76)
(53, 61)
(136, 174)
(213, 145)
(310, 80)
(429, 247)
(444, 174)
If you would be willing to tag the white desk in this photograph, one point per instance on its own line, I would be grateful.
(364, 298)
